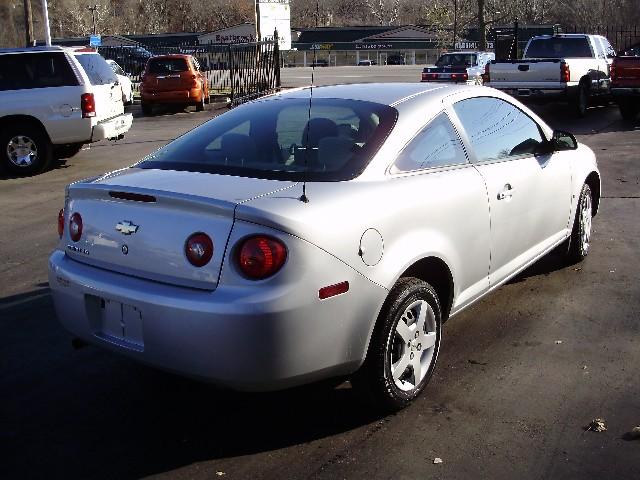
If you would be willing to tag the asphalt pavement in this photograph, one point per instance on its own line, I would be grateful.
(520, 374)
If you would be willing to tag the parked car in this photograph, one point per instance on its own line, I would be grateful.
(125, 82)
(320, 62)
(171, 80)
(625, 83)
(458, 67)
(395, 60)
(132, 58)
(281, 243)
(53, 100)
(566, 67)
(366, 63)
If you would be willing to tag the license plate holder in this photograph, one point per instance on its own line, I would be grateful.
(116, 322)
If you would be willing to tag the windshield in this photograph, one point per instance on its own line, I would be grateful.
(167, 65)
(558, 47)
(456, 60)
(283, 139)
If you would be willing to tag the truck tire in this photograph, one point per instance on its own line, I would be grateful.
(629, 111)
(147, 108)
(582, 100)
(25, 148)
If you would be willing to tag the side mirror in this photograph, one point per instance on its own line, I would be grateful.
(563, 141)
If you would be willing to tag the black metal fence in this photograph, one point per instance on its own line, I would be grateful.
(240, 71)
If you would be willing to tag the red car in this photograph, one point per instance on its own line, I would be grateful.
(174, 80)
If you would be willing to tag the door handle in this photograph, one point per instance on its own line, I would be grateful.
(507, 192)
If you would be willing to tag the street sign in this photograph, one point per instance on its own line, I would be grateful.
(95, 41)
(274, 15)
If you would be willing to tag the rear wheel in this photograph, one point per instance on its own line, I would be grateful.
(200, 104)
(404, 346)
(147, 108)
(582, 100)
(629, 111)
(580, 239)
(25, 148)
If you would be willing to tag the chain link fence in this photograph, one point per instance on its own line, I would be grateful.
(240, 72)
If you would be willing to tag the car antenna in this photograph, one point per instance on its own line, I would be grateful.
(303, 197)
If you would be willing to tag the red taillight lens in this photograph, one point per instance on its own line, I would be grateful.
(565, 73)
(88, 105)
(333, 290)
(486, 77)
(75, 227)
(199, 249)
(261, 256)
(465, 76)
(61, 222)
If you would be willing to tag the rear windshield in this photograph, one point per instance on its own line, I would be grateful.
(283, 139)
(19, 71)
(97, 69)
(559, 47)
(167, 65)
(456, 60)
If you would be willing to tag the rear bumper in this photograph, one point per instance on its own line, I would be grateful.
(113, 128)
(539, 93)
(249, 338)
(174, 96)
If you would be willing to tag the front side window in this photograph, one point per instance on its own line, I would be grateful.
(35, 70)
(284, 139)
(437, 145)
(97, 69)
(497, 129)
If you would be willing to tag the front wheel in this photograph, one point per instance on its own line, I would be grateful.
(25, 148)
(580, 239)
(404, 346)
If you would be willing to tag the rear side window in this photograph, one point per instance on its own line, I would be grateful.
(35, 70)
(162, 66)
(559, 47)
(437, 145)
(496, 129)
(97, 69)
(285, 139)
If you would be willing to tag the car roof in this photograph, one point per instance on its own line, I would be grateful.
(390, 94)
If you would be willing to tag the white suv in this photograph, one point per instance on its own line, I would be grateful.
(53, 100)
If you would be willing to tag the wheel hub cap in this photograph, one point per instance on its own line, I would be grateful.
(412, 345)
(585, 224)
(22, 151)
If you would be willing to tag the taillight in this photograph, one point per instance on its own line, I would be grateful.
(261, 256)
(199, 249)
(486, 77)
(565, 73)
(194, 81)
(88, 105)
(75, 227)
(61, 222)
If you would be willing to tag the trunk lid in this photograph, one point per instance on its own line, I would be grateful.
(137, 222)
(528, 70)
(626, 72)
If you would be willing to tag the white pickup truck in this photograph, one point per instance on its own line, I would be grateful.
(53, 100)
(569, 67)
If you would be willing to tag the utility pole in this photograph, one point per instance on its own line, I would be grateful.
(47, 29)
(455, 23)
(28, 23)
(93, 16)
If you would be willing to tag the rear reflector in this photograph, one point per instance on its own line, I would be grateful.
(75, 227)
(199, 249)
(333, 290)
(61, 222)
(135, 197)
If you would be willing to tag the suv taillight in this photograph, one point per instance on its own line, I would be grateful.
(260, 256)
(61, 222)
(486, 77)
(88, 105)
(565, 73)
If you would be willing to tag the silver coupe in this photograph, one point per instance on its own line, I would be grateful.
(318, 234)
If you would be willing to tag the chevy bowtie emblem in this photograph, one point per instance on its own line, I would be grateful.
(126, 227)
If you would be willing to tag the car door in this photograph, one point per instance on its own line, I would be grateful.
(529, 194)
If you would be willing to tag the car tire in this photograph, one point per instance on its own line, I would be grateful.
(25, 148)
(200, 104)
(579, 241)
(582, 100)
(629, 111)
(147, 108)
(404, 346)
(67, 151)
